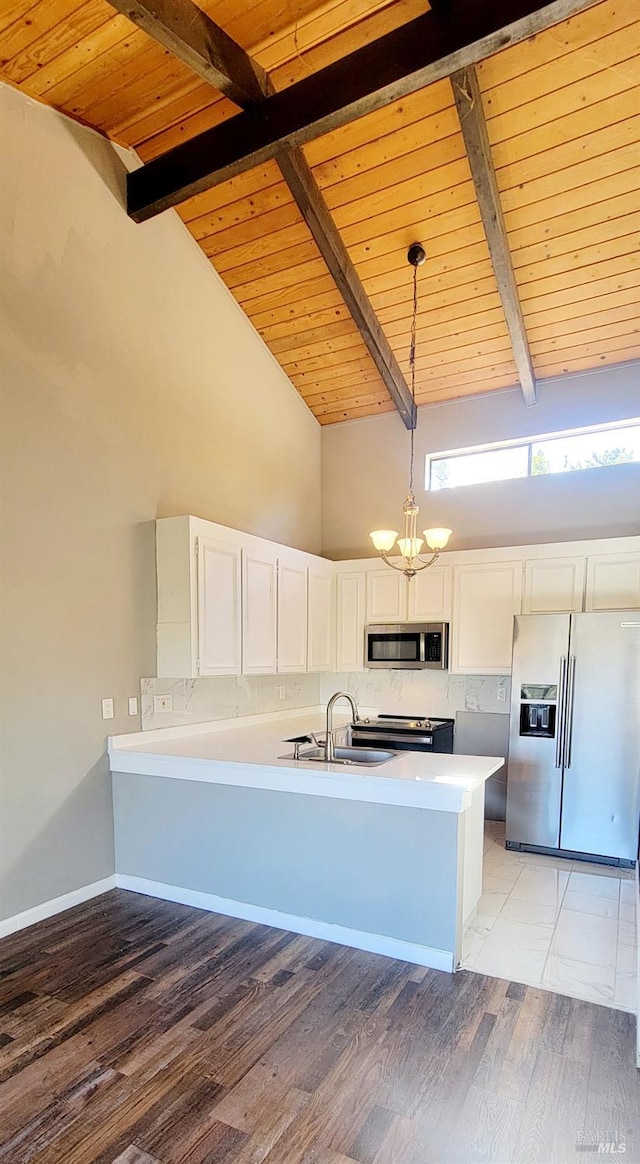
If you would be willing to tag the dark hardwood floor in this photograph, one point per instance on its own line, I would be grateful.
(136, 1031)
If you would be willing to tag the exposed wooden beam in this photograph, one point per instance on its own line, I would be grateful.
(190, 35)
(313, 208)
(468, 98)
(194, 38)
(426, 49)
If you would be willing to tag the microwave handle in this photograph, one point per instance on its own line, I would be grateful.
(423, 648)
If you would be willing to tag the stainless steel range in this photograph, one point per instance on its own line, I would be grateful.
(404, 733)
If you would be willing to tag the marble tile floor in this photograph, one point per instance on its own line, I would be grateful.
(566, 926)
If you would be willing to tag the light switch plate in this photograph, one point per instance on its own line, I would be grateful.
(107, 708)
(163, 703)
(133, 705)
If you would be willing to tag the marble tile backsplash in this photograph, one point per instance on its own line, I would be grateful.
(435, 693)
(199, 700)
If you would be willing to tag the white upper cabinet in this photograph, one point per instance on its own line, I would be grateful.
(386, 596)
(320, 630)
(231, 603)
(219, 608)
(553, 585)
(613, 582)
(292, 615)
(430, 595)
(485, 598)
(350, 598)
(259, 598)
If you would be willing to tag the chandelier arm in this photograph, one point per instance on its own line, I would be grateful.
(387, 559)
(419, 564)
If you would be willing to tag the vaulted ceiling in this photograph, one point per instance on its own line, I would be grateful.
(561, 122)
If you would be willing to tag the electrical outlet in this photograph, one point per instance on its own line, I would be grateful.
(281, 692)
(502, 695)
(133, 705)
(162, 703)
(107, 708)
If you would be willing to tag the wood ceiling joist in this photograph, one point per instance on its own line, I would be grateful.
(321, 40)
(562, 121)
(409, 58)
(194, 38)
(468, 101)
(191, 36)
(308, 198)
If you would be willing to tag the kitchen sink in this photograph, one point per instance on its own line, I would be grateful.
(347, 755)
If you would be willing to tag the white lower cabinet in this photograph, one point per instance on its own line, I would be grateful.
(613, 582)
(485, 598)
(219, 608)
(386, 595)
(350, 599)
(320, 629)
(430, 595)
(553, 585)
(259, 607)
(292, 616)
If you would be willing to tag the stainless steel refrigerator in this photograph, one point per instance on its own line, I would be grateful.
(574, 749)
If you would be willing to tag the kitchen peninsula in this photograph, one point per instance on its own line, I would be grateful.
(384, 858)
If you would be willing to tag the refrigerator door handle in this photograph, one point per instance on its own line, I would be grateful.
(560, 726)
(571, 682)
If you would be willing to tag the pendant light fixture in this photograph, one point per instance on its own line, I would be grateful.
(385, 539)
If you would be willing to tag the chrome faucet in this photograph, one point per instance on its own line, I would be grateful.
(329, 746)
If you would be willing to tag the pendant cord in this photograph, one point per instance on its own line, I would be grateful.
(412, 367)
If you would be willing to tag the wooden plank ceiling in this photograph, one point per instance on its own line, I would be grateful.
(563, 125)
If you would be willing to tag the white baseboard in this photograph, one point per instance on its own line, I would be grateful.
(310, 927)
(20, 921)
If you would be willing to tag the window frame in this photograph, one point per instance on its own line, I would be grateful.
(527, 442)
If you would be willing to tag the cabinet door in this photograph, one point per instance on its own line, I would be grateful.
(350, 622)
(320, 636)
(485, 599)
(430, 595)
(258, 612)
(219, 618)
(386, 596)
(613, 582)
(292, 616)
(553, 585)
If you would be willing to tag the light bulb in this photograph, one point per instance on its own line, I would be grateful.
(437, 538)
(410, 547)
(383, 539)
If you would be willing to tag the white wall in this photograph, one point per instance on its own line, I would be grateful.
(365, 470)
(132, 387)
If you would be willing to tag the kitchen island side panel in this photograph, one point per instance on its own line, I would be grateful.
(378, 868)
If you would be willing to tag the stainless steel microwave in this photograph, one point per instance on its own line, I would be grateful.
(407, 646)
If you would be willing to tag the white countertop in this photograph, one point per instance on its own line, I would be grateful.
(248, 752)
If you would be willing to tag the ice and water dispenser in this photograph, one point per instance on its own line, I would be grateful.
(538, 702)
